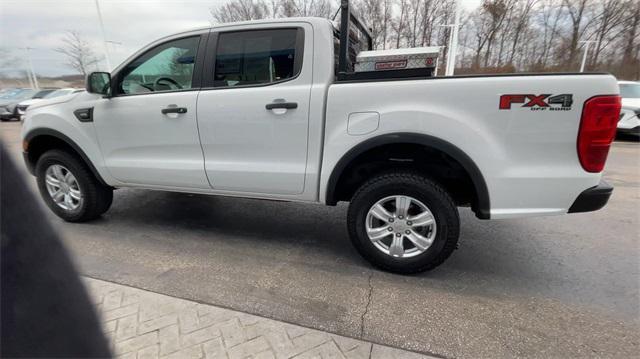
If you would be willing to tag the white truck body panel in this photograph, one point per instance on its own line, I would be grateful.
(250, 149)
(528, 158)
(227, 143)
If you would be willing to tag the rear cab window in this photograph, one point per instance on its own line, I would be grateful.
(258, 57)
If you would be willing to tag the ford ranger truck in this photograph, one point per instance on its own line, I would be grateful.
(272, 109)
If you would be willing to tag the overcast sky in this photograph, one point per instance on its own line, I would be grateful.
(41, 24)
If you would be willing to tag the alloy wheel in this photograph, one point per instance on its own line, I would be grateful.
(400, 226)
(63, 187)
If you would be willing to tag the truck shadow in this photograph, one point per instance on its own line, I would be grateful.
(625, 137)
(525, 257)
(318, 230)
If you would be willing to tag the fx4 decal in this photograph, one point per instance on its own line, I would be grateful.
(538, 102)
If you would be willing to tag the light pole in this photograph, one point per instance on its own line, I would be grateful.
(114, 44)
(104, 36)
(28, 73)
(453, 41)
(587, 43)
(33, 80)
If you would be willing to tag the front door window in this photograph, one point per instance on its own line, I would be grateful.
(167, 67)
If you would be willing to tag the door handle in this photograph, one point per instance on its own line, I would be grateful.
(285, 105)
(174, 110)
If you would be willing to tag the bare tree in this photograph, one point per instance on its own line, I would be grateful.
(318, 8)
(428, 14)
(7, 58)
(413, 30)
(579, 21)
(377, 15)
(550, 14)
(245, 10)
(497, 11)
(500, 35)
(400, 23)
(242, 10)
(610, 15)
(79, 53)
(523, 16)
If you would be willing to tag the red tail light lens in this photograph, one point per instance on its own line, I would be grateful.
(597, 129)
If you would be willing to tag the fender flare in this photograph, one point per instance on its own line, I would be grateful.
(64, 138)
(483, 207)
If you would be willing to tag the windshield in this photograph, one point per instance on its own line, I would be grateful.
(630, 90)
(43, 93)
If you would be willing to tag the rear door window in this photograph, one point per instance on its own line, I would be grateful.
(257, 57)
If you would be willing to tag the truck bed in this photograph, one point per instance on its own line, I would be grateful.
(527, 155)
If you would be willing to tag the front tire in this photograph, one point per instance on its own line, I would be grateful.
(69, 188)
(403, 223)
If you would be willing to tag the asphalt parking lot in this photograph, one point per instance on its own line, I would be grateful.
(565, 286)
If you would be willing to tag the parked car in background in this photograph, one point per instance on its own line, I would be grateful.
(630, 114)
(9, 102)
(22, 106)
(9, 99)
(7, 90)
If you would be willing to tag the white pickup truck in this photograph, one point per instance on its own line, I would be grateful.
(271, 109)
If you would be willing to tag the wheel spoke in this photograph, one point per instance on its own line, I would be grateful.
(57, 172)
(63, 187)
(68, 178)
(420, 241)
(381, 213)
(402, 206)
(423, 219)
(75, 194)
(68, 201)
(396, 249)
(57, 196)
(376, 234)
(52, 181)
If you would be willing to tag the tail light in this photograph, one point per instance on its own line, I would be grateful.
(597, 129)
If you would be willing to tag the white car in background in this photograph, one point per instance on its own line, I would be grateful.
(22, 106)
(630, 114)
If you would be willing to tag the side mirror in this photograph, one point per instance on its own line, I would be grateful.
(99, 83)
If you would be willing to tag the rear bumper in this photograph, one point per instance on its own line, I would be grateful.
(592, 199)
(630, 131)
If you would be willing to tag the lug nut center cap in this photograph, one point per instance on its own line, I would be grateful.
(400, 225)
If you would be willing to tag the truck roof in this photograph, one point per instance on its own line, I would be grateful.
(312, 20)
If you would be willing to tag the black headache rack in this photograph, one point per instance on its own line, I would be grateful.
(347, 53)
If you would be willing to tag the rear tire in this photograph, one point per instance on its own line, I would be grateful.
(420, 240)
(69, 188)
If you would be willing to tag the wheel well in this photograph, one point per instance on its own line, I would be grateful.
(39, 144)
(429, 161)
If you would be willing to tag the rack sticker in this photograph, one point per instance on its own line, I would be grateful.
(391, 65)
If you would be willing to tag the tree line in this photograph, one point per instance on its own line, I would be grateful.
(498, 36)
